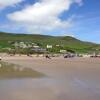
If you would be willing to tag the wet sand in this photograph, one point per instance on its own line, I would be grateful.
(66, 79)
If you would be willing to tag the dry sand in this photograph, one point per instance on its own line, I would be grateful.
(67, 79)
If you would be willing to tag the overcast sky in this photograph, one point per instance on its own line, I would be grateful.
(78, 18)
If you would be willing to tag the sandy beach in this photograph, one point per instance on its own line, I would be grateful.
(66, 79)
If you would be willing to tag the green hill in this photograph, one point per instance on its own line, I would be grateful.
(66, 41)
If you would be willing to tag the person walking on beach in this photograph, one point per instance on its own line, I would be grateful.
(47, 57)
(0, 58)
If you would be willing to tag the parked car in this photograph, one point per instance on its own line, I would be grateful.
(96, 56)
(69, 55)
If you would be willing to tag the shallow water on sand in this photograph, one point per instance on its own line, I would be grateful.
(70, 79)
(29, 89)
(47, 89)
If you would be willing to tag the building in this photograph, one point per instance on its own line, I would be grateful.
(63, 51)
(41, 50)
(35, 46)
(49, 46)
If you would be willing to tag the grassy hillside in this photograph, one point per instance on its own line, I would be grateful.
(66, 41)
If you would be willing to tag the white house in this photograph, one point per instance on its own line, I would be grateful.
(49, 46)
(22, 45)
(63, 51)
(57, 45)
(35, 46)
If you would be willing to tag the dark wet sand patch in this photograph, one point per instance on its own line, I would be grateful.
(11, 71)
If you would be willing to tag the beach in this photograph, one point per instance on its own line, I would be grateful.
(65, 79)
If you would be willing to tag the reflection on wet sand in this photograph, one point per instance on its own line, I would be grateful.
(69, 79)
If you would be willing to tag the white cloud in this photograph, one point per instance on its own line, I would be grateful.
(6, 3)
(44, 15)
(80, 2)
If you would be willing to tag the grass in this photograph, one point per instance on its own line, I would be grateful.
(13, 71)
(67, 41)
